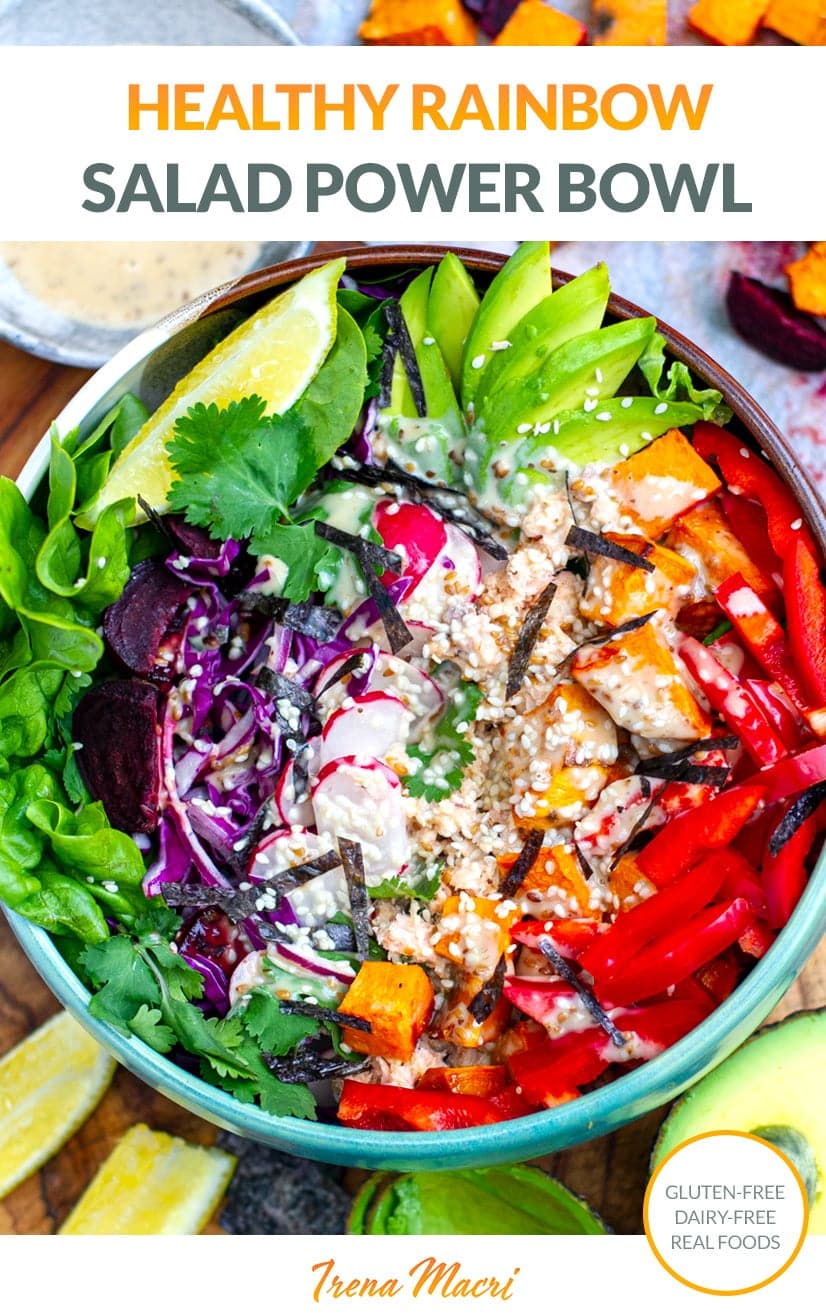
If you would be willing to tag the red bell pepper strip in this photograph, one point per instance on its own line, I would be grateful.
(784, 875)
(511, 1103)
(778, 709)
(732, 700)
(747, 474)
(750, 525)
(671, 907)
(568, 935)
(378, 1107)
(681, 953)
(763, 635)
(757, 938)
(545, 999)
(791, 776)
(805, 599)
(719, 977)
(552, 1073)
(688, 838)
(742, 881)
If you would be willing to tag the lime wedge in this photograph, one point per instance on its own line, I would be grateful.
(152, 1183)
(274, 354)
(49, 1085)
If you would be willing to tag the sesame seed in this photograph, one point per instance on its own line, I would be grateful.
(478, 362)
(660, 408)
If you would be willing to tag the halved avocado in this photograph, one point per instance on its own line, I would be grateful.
(773, 1087)
(516, 1199)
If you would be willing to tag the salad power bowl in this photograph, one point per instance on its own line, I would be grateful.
(428, 758)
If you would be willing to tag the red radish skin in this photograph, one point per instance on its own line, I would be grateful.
(416, 533)
(392, 675)
(298, 813)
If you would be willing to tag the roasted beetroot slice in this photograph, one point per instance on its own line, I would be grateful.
(769, 320)
(191, 539)
(135, 626)
(116, 724)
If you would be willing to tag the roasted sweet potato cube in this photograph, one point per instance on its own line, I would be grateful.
(474, 932)
(807, 276)
(555, 874)
(457, 1024)
(636, 679)
(396, 1000)
(663, 481)
(559, 755)
(418, 23)
(629, 23)
(628, 882)
(533, 23)
(728, 22)
(803, 21)
(617, 591)
(705, 533)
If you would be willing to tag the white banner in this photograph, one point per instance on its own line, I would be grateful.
(399, 1275)
(478, 144)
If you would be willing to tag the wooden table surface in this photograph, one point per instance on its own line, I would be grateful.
(610, 1172)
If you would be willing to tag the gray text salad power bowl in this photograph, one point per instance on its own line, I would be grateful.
(412, 718)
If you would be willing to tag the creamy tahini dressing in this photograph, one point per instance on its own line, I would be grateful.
(123, 284)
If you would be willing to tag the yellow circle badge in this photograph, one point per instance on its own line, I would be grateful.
(726, 1213)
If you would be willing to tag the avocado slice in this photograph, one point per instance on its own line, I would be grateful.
(516, 1199)
(451, 310)
(577, 307)
(773, 1087)
(522, 282)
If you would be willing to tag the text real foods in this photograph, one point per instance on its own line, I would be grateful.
(419, 715)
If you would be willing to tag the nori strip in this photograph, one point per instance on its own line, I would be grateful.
(398, 635)
(353, 663)
(665, 761)
(802, 808)
(308, 619)
(605, 636)
(324, 1015)
(240, 904)
(404, 346)
(485, 1001)
(587, 541)
(353, 864)
(374, 554)
(586, 995)
(301, 773)
(341, 934)
(281, 687)
(584, 866)
(451, 504)
(389, 352)
(241, 860)
(526, 640)
(156, 519)
(687, 773)
(638, 826)
(309, 1067)
(523, 864)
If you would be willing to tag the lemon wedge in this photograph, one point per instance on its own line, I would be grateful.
(49, 1085)
(275, 354)
(152, 1183)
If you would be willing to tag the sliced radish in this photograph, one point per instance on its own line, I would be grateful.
(455, 576)
(374, 725)
(387, 674)
(315, 901)
(361, 799)
(248, 975)
(292, 811)
(413, 531)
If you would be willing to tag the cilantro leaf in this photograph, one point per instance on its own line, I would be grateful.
(305, 555)
(449, 752)
(420, 883)
(148, 1027)
(276, 1033)
(238, 470)
(124, 981)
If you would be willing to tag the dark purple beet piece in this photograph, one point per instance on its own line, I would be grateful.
(192, 540)
(769, 320)
(491, 15)
(116, 724)
(135, 626)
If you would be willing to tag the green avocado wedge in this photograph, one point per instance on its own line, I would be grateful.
(522, 282)
(772, 1087)
(580, 373)
(451, 311)
(517, 1199)
(577, 307)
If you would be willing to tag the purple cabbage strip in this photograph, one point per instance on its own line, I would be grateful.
(216, 986)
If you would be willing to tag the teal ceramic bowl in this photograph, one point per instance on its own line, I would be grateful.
(151, 365)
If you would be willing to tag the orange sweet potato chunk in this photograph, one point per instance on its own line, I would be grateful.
(661, 482)
(555, 870)
(728, 22)
(802, 21)
(533, 23)
(418, 23)
(705, 532)
(396, 1000)
(807, 277)
(629, 22)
